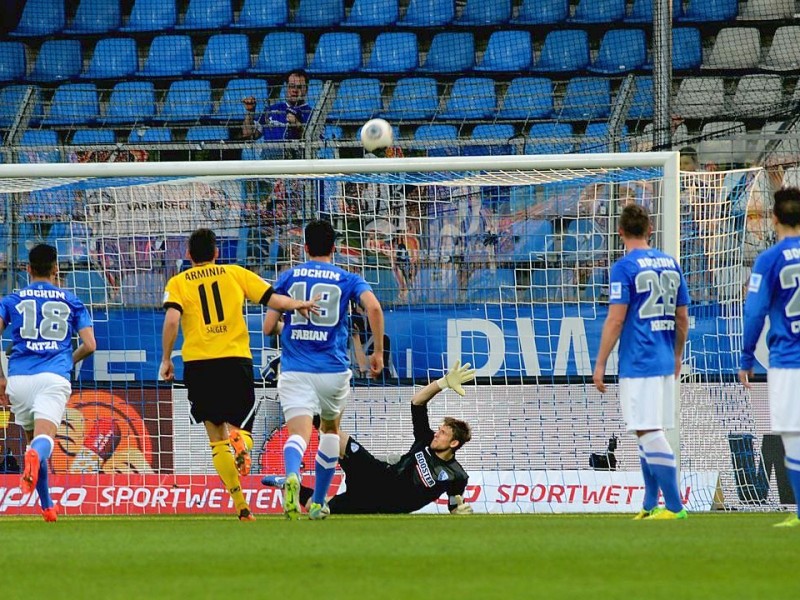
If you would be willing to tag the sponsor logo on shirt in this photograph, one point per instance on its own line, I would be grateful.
(424, 471)
(615, 293)
(755, 282)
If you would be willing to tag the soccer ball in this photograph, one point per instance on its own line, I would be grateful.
(375, 134)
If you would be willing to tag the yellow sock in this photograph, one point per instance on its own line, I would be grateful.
(248, 438)
(225, 465)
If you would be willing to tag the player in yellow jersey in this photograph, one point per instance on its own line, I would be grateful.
(207, 303)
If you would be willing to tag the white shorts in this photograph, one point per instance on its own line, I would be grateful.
(784, 400)
(40, 396)
(648, 402)
(323, 394)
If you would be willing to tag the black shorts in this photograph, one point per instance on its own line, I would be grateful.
(221, 391)
(369, 482)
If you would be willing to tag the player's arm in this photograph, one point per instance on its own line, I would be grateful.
(453, 379)
(169, 335)
(756, 306)
(455, 499)
(87, 347)
(283, 303)
(249, 130)
(612, 329)
(273, 323)
(376, 325)
(681, 335)
(3, 395)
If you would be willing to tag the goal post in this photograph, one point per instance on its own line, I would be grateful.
(501, 261)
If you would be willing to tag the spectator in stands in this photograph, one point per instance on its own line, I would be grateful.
(689, 160)
(362, 339)
(281, 121)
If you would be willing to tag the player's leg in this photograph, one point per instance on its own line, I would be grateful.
(785, 419)
(650, 501)
(333, 390)
(241, 407)
(299, 404)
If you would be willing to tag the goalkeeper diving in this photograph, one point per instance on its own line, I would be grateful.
(428, 470)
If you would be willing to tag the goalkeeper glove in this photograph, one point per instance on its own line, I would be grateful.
(455, 377)
(462, 508)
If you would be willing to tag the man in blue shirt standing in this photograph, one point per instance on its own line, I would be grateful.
(774, 290)
(315, 362)
(648, 314)
(282, 121)
(42, 320)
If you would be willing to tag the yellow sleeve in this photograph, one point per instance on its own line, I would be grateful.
(255, 289)
(172, 295)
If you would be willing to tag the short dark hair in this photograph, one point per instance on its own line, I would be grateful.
(298, 73)
(787, 206)
(320, 238)
(688, 151)
(42, 259)
(462, 433)
(634, 220)
(202, 244)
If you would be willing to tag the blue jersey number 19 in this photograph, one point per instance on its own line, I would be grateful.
(329, 298)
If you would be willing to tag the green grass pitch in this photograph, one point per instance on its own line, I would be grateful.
(479, 556)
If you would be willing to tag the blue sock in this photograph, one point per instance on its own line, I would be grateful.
(662, 465)
(293, 451)
(650, 484)
(43, 445)
(42, 488)
(327, 457)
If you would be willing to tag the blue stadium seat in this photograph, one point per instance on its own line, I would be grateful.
(225, 54)
(11, 98)
(586, 98)
(336, 52)
(413, 98)
(13, 65)
(145, 288)
(581, 241)
(281, 52)
(507, 51)
(152, 15)
(207, 14)
(428, 13)
(333, 132)
(642, 102)
(549, 138)
(57, 60)
(435, 138)
(186, 101)
(394, 52)
(542, 12)
(169, 56)
(471, 98)
(642, 12)
(564, 51)
(73, 104)
(450, 53)
(434, 286)
(485, 12)
(89, 286)
(230, 105)
(207, 133)
(687, 48)
(131, 102)
(318, 13)
(87, 137)
(494, 132)
(152, 135)
(95, 16)
(546, 285)
(596, 139)
(487, 285)
(256, 14)
(621, 50)
(113, 58)
(40, 137)
(383, 283)
(711, 10)
(71, 241)
(533, 240)
(357, 100)
(372, 13)
(599, 11)
(527, 98)
(41, 18)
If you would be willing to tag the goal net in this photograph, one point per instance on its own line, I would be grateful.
(498, 261)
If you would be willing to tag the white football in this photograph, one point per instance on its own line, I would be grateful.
(376, 133)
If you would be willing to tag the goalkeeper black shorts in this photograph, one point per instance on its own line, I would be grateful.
(221, 390)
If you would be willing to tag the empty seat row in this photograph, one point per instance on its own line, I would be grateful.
(341, 52)
(754, 96)
(47, 17)
(740, 48)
